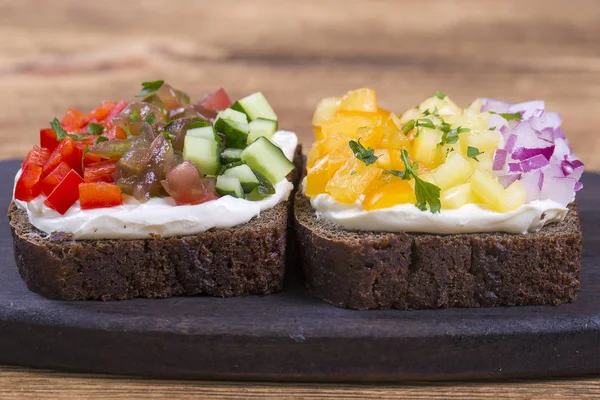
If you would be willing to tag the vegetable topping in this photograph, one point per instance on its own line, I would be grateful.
(160, 144)
(439, 156)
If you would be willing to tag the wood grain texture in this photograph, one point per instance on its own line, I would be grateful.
(74, 53)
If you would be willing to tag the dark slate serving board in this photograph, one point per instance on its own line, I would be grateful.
(293, 336)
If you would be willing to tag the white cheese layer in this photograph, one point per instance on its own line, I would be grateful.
(158, 216)
(470, 218)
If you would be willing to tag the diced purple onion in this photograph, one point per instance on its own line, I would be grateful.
(533, 163)
(508, 180)
(578, 186)
(499, 159)
(532, 182)
(511, 141)
(558, 189)
(514, 167)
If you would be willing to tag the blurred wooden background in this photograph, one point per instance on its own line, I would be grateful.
(56, 54)
(61, 53)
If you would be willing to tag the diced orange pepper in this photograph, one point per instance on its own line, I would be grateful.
(318, 176)
(398, 192)
(99, 195)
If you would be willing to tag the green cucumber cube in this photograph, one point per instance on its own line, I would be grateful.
(267, 159)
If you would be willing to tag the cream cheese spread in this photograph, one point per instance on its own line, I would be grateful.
(470, 218)
(158, 216)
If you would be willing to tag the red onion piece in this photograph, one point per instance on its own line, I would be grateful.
(514, 167)
(558, 189)
(533, 163)
(499, 159)
(532, 182)
(511, 141)
(578, 186)
(508, 180)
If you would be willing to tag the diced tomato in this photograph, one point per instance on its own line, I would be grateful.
(99, 194)
(117, 109)
(102, 111)
(116, 132)
(48, 139)
(90, 158)
(72, 121)
(37, 156)
(65, 194)
(102, 171)
(185, 185)
(64, 152)
(59, 173)
(216, 101)
(105, 112)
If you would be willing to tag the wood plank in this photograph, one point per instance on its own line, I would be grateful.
(21, 383)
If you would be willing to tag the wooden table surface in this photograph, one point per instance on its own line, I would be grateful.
(57, 54)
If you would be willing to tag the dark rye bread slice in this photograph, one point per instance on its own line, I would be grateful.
(245, 259)
(409, 271)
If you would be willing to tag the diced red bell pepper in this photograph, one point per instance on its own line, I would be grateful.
(90, 158)
(64, 152)
(99, 194)
(37, 156)
(59, 173)
(72, 121)
(65, 194)
(102, 171)
(27, 187)
(48, 139)
(216, 101)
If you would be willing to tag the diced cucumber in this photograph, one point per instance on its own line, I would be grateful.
(255, 106)
(204, 153)
(267, 159)
(231, 155)
(200, 123)
(236, 134)
(229, 185)
(261, 127)
(206, 132)
(247, 178)
(229, 115)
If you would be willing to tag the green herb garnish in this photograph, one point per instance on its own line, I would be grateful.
(409, 126)
(353, 173)
(135, 116)
(473, 152)
(451, 137)
(425, 123)
(399, 174)
(101, 139)
(366, 155)
(95, 129)
(440, 95)
(510, 117)
(426, 193)
(169, 136)
(85, 151)
(150, 118)
(149, 87)
(198, 124)
(61, 133)
(264, 187)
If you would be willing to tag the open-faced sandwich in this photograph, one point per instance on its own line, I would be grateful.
(439, 206)
(156, 197)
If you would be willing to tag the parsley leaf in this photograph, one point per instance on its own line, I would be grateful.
(85, 151)
(61, 133)
(409, 126)
(365, 155)
(101, 139)
(264, 187)
(135, 117)
(399, 174)
(440, 95)
(473, 152)
(150, 118)
(149, 87)
(353, 173)
(169, 136)
(509, 117)
(451, 137)
(95, 129)
(198, 124)
(426, 193)
(426, 123)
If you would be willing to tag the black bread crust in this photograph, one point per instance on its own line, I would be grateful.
(410, 271)
(245, 259)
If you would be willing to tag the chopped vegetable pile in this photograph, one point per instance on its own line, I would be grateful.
(439, 156)
(157, 145)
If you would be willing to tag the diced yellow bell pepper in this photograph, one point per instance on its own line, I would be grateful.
(456, 197)
(485, 188)
(348, 124)
(455, 171)
(425, 149)
(318, 176)
(351, 180)
(398, 192)
(326, 110)
(512, 198)
(360, 100)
